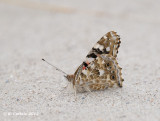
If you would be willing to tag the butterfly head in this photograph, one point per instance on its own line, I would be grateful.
(70, 78)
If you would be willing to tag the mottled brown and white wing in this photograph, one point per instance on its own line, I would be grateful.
(100, 70)
(108, 45)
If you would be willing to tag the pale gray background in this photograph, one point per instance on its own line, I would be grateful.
(63, 31)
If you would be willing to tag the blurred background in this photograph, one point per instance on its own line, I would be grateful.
(63, 32)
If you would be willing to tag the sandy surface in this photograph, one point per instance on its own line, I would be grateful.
(63, 32)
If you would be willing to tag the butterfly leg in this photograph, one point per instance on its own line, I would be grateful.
(75, 92)
(89, 91)
(66, 86)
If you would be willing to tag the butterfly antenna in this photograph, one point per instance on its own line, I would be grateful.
(54, 67)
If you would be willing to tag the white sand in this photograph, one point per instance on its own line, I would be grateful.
(63, 32)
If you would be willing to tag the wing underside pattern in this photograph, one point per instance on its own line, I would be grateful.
(100, 70)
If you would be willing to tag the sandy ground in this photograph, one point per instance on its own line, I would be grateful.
(63, 32)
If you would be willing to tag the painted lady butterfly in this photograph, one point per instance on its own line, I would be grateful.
(100, 70)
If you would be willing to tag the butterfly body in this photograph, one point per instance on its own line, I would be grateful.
(100, 70)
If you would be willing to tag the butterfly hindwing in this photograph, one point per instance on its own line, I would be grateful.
(100, 74)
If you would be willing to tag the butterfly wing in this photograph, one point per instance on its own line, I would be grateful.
(108, 45)
(100, 69)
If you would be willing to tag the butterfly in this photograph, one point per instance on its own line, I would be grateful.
(100, 69)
